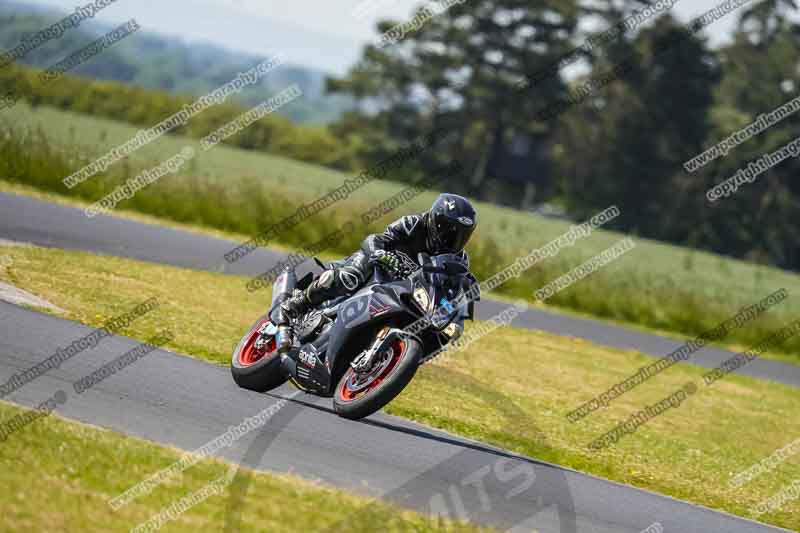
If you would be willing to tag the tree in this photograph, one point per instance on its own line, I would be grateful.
(761, 220)
(625, 146)
(471, 60)
(763, 21)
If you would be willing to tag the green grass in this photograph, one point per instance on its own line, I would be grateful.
(690, 453)
(25, 190)
(656, 286)
(58, 475)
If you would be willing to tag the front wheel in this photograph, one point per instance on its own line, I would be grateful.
(256, 363)
(360, 394)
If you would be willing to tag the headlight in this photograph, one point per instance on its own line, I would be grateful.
(422, 299)
(451, 330)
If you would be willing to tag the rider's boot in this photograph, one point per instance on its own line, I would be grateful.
(292, 308)
(321, 289)
(298, 305)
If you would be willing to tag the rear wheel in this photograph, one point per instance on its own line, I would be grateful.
(360, 394)
(256, 363)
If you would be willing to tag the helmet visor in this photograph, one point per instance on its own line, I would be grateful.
(452, 235)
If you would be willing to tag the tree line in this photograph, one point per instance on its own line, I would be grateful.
(548, 112)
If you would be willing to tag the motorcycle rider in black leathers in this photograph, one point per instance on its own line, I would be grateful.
(445, 228)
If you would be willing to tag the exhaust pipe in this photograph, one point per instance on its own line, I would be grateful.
(283, 286)
(282, 290)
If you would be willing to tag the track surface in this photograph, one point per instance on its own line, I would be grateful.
(184, 402)
(29, 220)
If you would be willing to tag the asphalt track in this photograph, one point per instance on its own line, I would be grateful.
(183, 402)
(180, 401)
(29, 220)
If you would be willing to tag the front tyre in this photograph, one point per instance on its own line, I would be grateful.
(257, 365)
(359, 395)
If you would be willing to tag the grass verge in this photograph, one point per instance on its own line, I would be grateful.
(690, 452)
(58, 475)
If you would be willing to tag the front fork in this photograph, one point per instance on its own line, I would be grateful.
(386, 336)
(363, 362)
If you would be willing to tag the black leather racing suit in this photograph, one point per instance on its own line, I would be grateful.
(408, 234)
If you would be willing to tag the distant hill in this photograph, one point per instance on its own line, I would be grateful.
(168, 63)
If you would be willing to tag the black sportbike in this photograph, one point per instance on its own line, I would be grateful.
(363, 349)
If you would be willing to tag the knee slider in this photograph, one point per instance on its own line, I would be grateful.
(326, 279)
(350, 278)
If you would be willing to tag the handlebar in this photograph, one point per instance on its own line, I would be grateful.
(408, 266)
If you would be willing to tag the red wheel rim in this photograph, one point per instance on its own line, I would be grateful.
(249, 354)
(348, 395)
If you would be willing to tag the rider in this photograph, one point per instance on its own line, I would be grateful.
(445, 228)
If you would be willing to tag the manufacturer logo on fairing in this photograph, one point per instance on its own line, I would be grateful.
(308, 359)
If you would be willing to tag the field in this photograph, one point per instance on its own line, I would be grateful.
(655, 286)
(690, 452)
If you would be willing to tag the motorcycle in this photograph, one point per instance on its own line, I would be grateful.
(363, 349)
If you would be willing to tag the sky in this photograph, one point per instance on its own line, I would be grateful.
(324, 34)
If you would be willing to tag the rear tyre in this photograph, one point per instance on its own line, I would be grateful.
(353, 400)
(257, 368)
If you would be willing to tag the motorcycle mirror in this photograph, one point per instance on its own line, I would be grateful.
(455, 269)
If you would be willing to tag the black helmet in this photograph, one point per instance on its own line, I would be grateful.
(451, 222)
